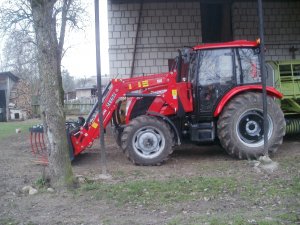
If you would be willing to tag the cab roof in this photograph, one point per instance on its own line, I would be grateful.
(231, 44)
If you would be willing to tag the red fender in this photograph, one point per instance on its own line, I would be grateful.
(237, 90)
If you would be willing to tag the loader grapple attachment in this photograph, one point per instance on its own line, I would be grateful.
(38, 146)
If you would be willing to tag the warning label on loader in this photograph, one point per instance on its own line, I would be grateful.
(145, 83)
(174, 93)
(94, 125)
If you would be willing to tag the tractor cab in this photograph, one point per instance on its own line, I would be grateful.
(215, 69)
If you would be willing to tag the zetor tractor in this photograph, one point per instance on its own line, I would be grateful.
(214, 93)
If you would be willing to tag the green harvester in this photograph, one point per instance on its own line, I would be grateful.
(285, 77)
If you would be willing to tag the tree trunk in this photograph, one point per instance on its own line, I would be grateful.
(49, 62)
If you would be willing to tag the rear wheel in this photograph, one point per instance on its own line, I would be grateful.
(241, 126)
(147, 141)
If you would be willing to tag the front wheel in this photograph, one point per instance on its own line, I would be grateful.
(241, 126)
(147, 141)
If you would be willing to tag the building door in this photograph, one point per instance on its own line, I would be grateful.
(216, 22)
(2, 106)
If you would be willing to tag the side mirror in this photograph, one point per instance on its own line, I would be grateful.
(186, 55)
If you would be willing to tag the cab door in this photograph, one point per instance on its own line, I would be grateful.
(216, 76)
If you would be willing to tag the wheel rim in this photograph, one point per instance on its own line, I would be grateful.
(250, 128)
(148, 142)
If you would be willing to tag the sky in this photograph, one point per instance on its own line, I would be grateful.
(80, 58)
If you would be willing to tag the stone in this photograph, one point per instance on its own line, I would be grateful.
(81, 180)
(50, 189)
(102, 177)
(33, 191)
(267, 164)
(26, 188)
(265, 159)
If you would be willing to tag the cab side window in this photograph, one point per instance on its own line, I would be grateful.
(250, 67)
(192, 74)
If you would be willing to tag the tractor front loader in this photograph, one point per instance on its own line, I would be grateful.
(213, 93)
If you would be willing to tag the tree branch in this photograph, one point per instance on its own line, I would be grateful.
(64, 13)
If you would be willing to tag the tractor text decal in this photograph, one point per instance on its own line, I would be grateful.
(111, 99)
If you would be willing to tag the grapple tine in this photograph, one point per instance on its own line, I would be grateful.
(39, 138)
(31, 143)
(44, 153)
(36, 143)
(43, 143)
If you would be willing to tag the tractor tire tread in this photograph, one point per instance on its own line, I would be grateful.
(230, 144)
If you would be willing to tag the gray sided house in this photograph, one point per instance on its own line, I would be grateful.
(144, 36)
(7, 82)
(86, 92)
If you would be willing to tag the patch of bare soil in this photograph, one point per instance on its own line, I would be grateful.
(17, 169)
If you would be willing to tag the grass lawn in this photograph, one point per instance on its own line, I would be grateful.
(8, 129)
(153, 194)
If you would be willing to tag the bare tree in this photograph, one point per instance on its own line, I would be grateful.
(20, 57)
(68, 81)
(46, 22)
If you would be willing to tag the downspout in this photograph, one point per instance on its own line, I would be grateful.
(136, 37)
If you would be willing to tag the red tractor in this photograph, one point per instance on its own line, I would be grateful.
(213, 93)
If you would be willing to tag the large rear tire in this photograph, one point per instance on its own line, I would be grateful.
(240, 126)
(147, 141)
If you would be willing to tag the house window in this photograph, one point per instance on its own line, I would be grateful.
(93, 92)
(17, 116)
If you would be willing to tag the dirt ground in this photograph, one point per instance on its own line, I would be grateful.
(17, 169)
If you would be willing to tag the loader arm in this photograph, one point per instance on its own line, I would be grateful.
(162, 86)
